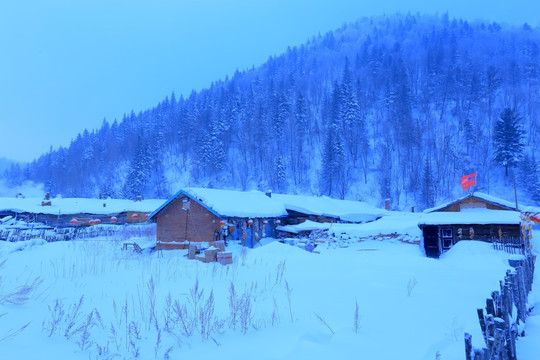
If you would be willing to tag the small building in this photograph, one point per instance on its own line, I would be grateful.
(473, 217)
(204, 215)
(60, 212)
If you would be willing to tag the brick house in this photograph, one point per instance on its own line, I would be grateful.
(201, 215)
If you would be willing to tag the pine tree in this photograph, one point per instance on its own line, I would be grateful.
(138, 175)
(279, 174)
(508, 139)
(529, 176)
(385, 174)
(428, 191)
(212, 154)
(333, 161)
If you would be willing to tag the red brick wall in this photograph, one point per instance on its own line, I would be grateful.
(171, 223)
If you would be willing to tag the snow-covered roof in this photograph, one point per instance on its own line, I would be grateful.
(394, 223)
(471, 217)
(232, 203)
(346, 210)
(488, 198)
(77, 205)
(530, 209)
(305, 226)
(235, 203)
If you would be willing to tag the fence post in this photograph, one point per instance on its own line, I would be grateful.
(468, 346)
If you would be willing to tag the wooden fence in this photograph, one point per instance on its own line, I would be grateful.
(498, 321)
(76, 233)
(511, 244)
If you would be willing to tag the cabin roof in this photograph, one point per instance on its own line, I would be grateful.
(478, 195)
(471, 217)
(64, 206)
(346, 210)
(231, 203)
(304, 226)
(530, 209)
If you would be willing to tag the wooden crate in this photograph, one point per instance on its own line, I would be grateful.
(220, 244)
(224, 258)
(192, 250)
(209, 256)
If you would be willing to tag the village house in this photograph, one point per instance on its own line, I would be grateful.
(204, 215)
(201, 215)
(476, 216)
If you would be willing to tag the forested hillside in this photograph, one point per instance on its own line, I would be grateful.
(395, 107)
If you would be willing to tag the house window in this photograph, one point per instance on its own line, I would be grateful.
(447, 237)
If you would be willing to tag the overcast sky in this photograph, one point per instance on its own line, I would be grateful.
(66, 65)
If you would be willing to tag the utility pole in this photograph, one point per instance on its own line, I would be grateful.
(515, 194)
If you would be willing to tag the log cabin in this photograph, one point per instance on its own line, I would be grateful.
(476, 216)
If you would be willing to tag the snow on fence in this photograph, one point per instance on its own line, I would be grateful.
(505, 313)
(76, 233)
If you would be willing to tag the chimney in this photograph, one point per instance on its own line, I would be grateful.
(387, 204)
(269, 193)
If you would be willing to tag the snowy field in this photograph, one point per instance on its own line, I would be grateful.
(370, 299)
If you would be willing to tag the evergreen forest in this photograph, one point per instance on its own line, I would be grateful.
(397, 107)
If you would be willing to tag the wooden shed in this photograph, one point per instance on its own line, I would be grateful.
(204, 215)
(473, 217)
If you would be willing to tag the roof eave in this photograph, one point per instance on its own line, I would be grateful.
(175, 196)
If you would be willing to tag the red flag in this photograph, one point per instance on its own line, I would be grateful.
(468, 180)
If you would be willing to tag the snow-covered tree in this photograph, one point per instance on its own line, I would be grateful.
(280, 178)
(508, 139)
(428, 191)
(139, 171)
(529, 176)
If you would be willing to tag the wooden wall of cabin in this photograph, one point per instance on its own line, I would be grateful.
(432, 235)
(485, 232)
(177, 225)
(471, 203)
(83, 219)
(136, 217)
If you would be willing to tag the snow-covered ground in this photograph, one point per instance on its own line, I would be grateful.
(373, 299)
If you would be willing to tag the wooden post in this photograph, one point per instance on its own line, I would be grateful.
(490, 307)
(482, 321)
(468, 346)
